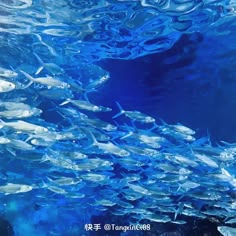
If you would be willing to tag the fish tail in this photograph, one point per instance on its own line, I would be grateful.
(27, 85)
(122, 111)
(91, 137)
(179, 210)
(40, 62)
(28, 76)
(155, 126)
(163, 122)
(45, 158)
(13, 153)
(179, 188)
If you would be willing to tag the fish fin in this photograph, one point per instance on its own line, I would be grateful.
(49, 179)
(86, 96)
(27, 85)
(40, 62)
(44, 158)
(179, 188)
(28, 76)
(155, 126)
(39, 59)
(12, 68)
(94, 140)
(226, 143)
(91, 137)
(163, 122)
(122, 111)
(65, 102)
(190, 147)
(62, 115)
(43, 185)
(209, 138)
(11, 151)
(127, 135)
(178, 210)
(2, 123)
(29, 138)
(39, 70)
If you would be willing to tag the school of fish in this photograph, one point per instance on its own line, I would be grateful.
(132, 164)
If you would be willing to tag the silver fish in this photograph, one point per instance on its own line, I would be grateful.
(11, 188)
(134, 115)
(227, 231)
(6, 86)
(48, 81)
(19, 114)
(20, 125)
(207, 160)
(85, 105)
(108, 147)
(6, 73)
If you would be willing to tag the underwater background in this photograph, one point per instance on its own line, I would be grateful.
(117, 113)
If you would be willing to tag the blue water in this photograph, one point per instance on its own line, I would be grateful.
(171, 60)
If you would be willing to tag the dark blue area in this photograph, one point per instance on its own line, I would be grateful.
(176, 86)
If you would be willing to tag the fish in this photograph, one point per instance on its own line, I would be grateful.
(8, 74)
(179, 222)
(139, 189)
(226, 230)
(57, 190)
(47, 81)
(23, 126)
(231, 221)
(11, 188)
(85, 105)
(125, 204)
(82, 157)
(108, 147)
(20, 114)
(177, 131)
(17, 104)
(141, 151)
(60, 161)
(134, 115)
(98, 123)
(182, 129)
(207, 195)
(56, 93)
(97, 83)
(157, 218)
(4, 140)
(53, 68)
(50, 49)
(188, 185)
(20, 145)
(6, 86)
(181, 159)
(95, 177)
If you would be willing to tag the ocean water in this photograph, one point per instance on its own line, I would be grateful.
(117, 117)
